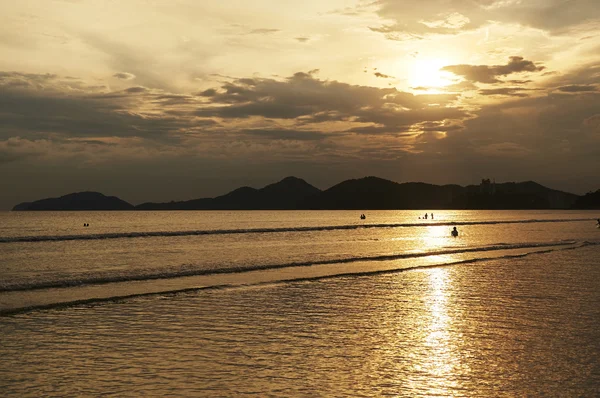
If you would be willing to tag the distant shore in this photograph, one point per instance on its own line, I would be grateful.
(371, 193)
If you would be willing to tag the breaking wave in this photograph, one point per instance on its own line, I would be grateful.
(177, 273)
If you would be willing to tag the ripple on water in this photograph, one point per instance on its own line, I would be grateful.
(526, 326)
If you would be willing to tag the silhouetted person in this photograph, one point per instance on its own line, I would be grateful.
(454, 232)
(432, 216)
(598, 223)
(426, 216)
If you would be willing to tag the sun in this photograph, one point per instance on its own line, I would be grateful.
(428, 73)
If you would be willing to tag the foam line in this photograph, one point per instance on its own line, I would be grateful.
(354, 273)
(177, 274)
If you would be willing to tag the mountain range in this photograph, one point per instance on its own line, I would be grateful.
(372, 193)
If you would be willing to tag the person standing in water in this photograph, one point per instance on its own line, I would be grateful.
(454, 232)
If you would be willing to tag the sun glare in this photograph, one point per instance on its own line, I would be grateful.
(427, 73)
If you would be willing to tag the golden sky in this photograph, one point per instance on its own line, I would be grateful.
(179, 99)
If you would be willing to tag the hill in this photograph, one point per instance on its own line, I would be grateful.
(590, 200)
(288, 194)
(379, 194)
(516, 195)
(77, 201)
(373, 193)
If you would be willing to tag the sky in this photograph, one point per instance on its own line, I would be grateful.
(159, 100)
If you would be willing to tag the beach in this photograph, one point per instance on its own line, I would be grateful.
(308, 307)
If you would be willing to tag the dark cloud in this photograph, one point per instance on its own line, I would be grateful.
(173, 99)
(284, 134)
(52, 111)
(490, 73)
(42, 111)
(136, 90)
(396, 131)
(505, 91)
(519, 81)
(211, 92)
(585, 76)
(383, 76)
(440, 127)
(15, 149)
(310, 100)
(299, 123)
(124, 76)
(552, 126)
(578, 88)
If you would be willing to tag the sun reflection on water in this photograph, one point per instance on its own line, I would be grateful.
(441, 359)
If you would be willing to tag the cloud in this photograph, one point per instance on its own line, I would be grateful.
(15, 149)
(415, 20)
(54, 109)
(465, 85)
(124, 76)
(578, 88)
(302, 39)
(264, 31)
(15, 79)
(301, 107)
(285, 134)
(307, 99)
(383, 76)
(593, 122)
(504, 150)
(440, 126)
(519, 81)
(490, 73)
(211, 92)
(505, 91)
(136, 90)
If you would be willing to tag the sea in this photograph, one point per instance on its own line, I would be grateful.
(300, 304)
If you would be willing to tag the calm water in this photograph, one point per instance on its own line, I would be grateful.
(300, 304)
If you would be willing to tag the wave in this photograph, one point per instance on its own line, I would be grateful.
(150, 234)
(118, 296)
(170, 274)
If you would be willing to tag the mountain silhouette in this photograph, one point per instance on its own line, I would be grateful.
(371, 193)
(77, 201)
(516, 195)
(377, 194)
(590, 200)
(287, 194)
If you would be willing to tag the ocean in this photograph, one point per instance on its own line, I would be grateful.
(300, 303)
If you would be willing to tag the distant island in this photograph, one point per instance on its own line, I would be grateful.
(371, 193)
